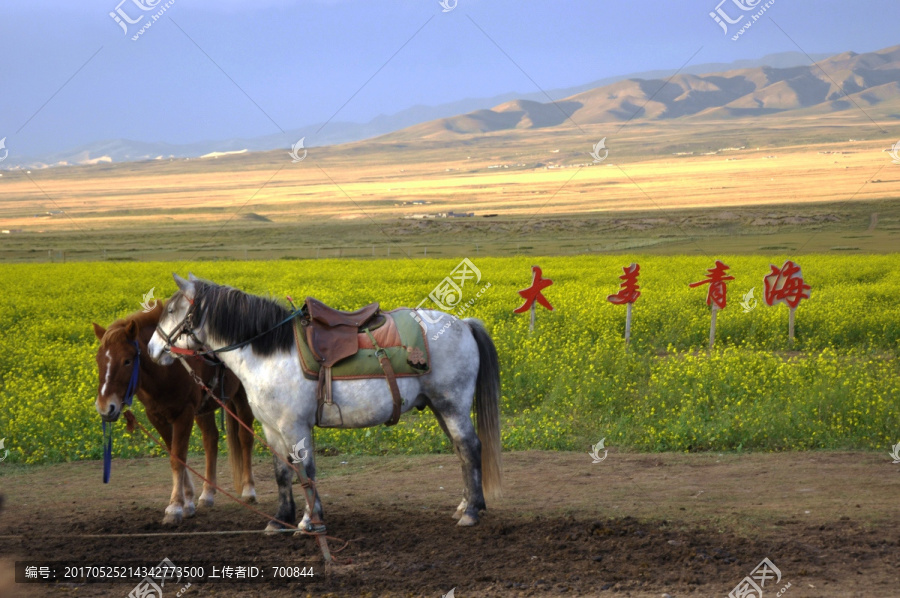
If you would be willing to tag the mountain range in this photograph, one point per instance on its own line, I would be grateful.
(776, 84)
(838, 83)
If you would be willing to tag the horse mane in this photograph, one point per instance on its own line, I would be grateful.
(116, 332)
(233, 316)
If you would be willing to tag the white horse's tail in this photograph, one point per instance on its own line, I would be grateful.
(487, 408)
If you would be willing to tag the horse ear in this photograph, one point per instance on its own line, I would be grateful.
(99, 330)
(186, 286)
(192, 278)
(131, 330)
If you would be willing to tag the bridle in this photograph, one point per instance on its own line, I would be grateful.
(185, 327)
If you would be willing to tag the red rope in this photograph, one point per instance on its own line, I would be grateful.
(132, 421)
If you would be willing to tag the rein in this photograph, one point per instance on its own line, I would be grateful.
(127, 400)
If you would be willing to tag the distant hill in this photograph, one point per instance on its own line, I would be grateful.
(529, 104)
(871, 79)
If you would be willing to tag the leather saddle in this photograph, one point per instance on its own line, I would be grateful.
(334, 335)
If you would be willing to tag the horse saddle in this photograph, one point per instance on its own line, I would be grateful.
(335, 335)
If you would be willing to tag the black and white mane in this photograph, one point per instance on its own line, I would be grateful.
(234, 316)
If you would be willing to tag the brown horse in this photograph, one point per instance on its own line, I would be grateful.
(173, 401)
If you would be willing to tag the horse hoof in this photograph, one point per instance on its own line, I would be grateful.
(273, 528)
(174, 515)
(190, 510)
(461, 509)
(249, 497)
(206, 501)
(467, 521)
(306, 527)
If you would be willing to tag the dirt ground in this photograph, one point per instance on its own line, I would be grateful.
(633, 525)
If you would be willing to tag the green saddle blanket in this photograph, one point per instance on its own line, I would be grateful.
(410, 358)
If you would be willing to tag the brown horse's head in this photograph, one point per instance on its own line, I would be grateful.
(116, 360)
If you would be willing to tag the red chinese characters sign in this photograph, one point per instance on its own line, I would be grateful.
(628, 290)
(716, 279)
(533, 293)
(786, 285)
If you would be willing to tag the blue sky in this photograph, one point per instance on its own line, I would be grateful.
(300, 62)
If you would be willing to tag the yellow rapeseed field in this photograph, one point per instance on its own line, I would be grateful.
(565, 386)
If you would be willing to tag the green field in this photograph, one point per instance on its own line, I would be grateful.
(565, 386)
(844, 228)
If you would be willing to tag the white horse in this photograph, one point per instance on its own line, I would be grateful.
(463, 364)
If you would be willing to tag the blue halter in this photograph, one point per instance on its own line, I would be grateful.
(129, 398)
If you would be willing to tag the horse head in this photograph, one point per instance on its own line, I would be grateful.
(118, 366)
(180, 327)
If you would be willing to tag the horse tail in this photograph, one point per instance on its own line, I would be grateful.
(235, 454)
(487, 408)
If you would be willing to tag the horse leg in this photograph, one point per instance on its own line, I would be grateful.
(210, 434)
(462, 506)
(164, 427)
(287, 510)
(294, 434)
(246, 437)
(467, 446)
(284, 476)
(181, 433)
(306, 522)
(188, 485)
